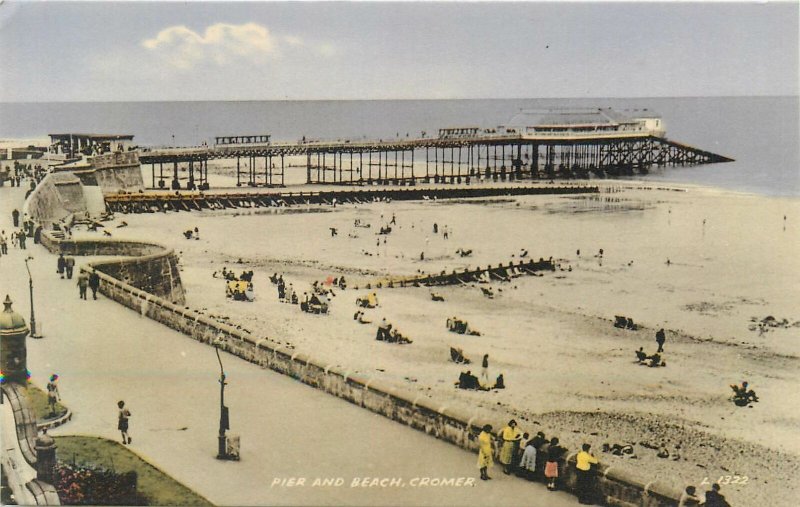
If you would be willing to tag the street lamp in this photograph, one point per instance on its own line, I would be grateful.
(33, 317)
(222, 451)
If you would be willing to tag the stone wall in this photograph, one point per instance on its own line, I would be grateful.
(54, 198)
(116, 172)
(148, 266)
(617, 487)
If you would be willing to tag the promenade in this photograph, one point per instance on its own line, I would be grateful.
(104, 352)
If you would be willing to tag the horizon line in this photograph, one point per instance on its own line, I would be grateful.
(399, 99)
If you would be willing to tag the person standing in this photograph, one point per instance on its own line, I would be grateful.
(485, 450)
(485, 369)
(583, 465)
(61, 265)
(528, 461)
(21, 238)
(94, 283)
(511, 437)
(554, 452)
(714, 498)
(660, 339)
(52, 394)
(15, 217)
(69, 266)
(688, 497)
(122, 422)
(83, 284)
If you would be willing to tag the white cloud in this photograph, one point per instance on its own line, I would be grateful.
(220, 44)
(293, 40)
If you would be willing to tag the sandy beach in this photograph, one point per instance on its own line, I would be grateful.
(568, 371)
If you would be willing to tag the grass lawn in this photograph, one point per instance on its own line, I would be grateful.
(38, 402)
(158, 487)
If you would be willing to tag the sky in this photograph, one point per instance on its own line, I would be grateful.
(147, 51)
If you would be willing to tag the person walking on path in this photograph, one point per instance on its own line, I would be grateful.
(94, 283)
(3, 243)
(485, 452)
(15, 217)
(69, 266)
(660, 339)
(61, 265)
(21, 238)
(83, 284)
(485, 369)
(122, 422)
(52, 394)
(583, 465)
(511, 437)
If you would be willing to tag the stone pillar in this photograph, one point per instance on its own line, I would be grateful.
(13, 352)
(46, 458)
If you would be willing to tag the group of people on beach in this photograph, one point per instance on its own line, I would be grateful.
(535, 459)
(654, 359)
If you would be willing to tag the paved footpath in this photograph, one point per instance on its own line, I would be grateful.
(104, 352)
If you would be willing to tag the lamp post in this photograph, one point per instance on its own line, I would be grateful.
(222, 452)
(30, 282)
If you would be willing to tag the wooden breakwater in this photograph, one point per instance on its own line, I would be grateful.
(467, 275)
(196, 201)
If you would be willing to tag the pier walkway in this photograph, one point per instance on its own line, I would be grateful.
(513, 156)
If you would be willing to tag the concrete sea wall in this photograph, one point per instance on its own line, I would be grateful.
(616, 487)
(147, 266)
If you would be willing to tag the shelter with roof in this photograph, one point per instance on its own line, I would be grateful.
(586, 121)
(73, 145)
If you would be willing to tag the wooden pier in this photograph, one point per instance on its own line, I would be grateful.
(459, 158)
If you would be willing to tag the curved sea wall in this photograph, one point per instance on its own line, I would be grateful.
(147, 266)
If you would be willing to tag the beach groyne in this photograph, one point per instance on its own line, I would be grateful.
(196, 201)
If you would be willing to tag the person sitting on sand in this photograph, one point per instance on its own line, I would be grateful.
(383, 330)
(468, 381)
(359, 317)
(655, 360)
(500, 382)
(394, 336)
(457, 356)
(640, 355)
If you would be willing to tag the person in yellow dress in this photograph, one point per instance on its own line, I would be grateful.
(485, 451)
(511, 436)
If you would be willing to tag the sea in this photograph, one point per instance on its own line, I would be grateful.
(760, 133)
